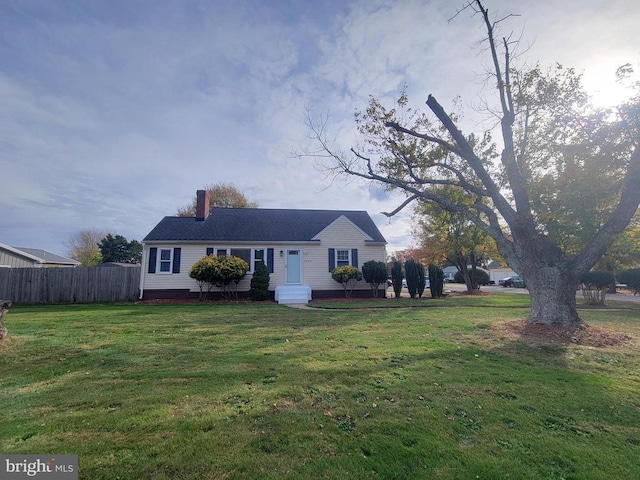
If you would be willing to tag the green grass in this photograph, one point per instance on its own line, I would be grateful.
(265, 391)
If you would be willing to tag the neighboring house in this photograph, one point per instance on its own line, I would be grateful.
(497, 274)
(449, 273)
(18, 257)
(299, 247)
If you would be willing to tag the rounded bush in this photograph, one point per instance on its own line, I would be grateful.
(481, 275)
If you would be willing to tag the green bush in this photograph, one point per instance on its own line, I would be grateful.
(375, 274)
(205, 272)
(594, 286)
(347, 275)
(482, 277)
(260, 283)
(396, 278)
(631, 278)
(414, 273)
(221, 272)
(436, 281)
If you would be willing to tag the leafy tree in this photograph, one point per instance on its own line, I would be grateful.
(375, 274)
(118, 249)
(260, 283)
(348, 276)
(396, 277)
(83, 246)
(220, 195)
(564, 185)
(453, 237)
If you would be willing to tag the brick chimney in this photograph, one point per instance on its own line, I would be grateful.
(202, 205)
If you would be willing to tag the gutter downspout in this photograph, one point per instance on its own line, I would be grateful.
(142, 266)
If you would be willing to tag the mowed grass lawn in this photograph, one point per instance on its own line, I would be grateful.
(261, 391)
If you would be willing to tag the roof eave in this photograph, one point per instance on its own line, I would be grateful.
(232, 242)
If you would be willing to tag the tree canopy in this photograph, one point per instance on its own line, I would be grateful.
(83, 246)
(452, 237)
(553, 194)
(220, 195)
(116, 248)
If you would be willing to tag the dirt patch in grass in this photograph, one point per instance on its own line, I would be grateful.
(587, 335)
(478, 293)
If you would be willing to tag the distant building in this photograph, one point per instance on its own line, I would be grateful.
(19, 257)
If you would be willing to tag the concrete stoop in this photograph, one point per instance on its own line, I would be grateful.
(293, 294)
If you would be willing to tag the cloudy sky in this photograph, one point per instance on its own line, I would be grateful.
(114, 112)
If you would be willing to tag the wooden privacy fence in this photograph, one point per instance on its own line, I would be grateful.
(70, 285)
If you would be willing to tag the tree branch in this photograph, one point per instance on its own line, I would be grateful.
(467, 153)
(514, 175)
(402, 205)
(429, 138)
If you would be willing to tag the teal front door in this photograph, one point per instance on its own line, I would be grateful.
(293, 267)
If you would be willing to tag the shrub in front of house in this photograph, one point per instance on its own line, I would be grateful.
(414, 273)
(396, 277)
(224, 272)
(205, 272)
(260, 283)
(348, 276)
(375, 274)
(232, 270)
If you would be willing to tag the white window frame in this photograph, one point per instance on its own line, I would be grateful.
(160, 261)
(254, 259)
(338, 259)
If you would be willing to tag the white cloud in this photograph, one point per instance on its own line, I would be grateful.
(113, 117)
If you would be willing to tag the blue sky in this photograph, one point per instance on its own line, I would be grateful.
(115, 112)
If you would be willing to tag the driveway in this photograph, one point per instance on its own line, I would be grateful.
(460, 287)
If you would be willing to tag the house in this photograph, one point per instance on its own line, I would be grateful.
(299, 247)
(449, 273)
(496, 275)
(19, 257)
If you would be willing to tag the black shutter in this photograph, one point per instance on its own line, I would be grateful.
(332, 259)
(270, 259)
(153, 256)
(209, 251)
(354, 257)
(176, 260)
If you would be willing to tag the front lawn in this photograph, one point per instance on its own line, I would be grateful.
(266, 391)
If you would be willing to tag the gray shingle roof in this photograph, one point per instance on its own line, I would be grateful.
(257, 225)
(48, 257)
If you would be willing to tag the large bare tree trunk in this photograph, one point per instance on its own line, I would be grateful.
(553, 297)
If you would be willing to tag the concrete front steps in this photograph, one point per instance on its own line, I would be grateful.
(293, 294)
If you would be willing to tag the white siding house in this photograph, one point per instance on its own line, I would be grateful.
(299, 248)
